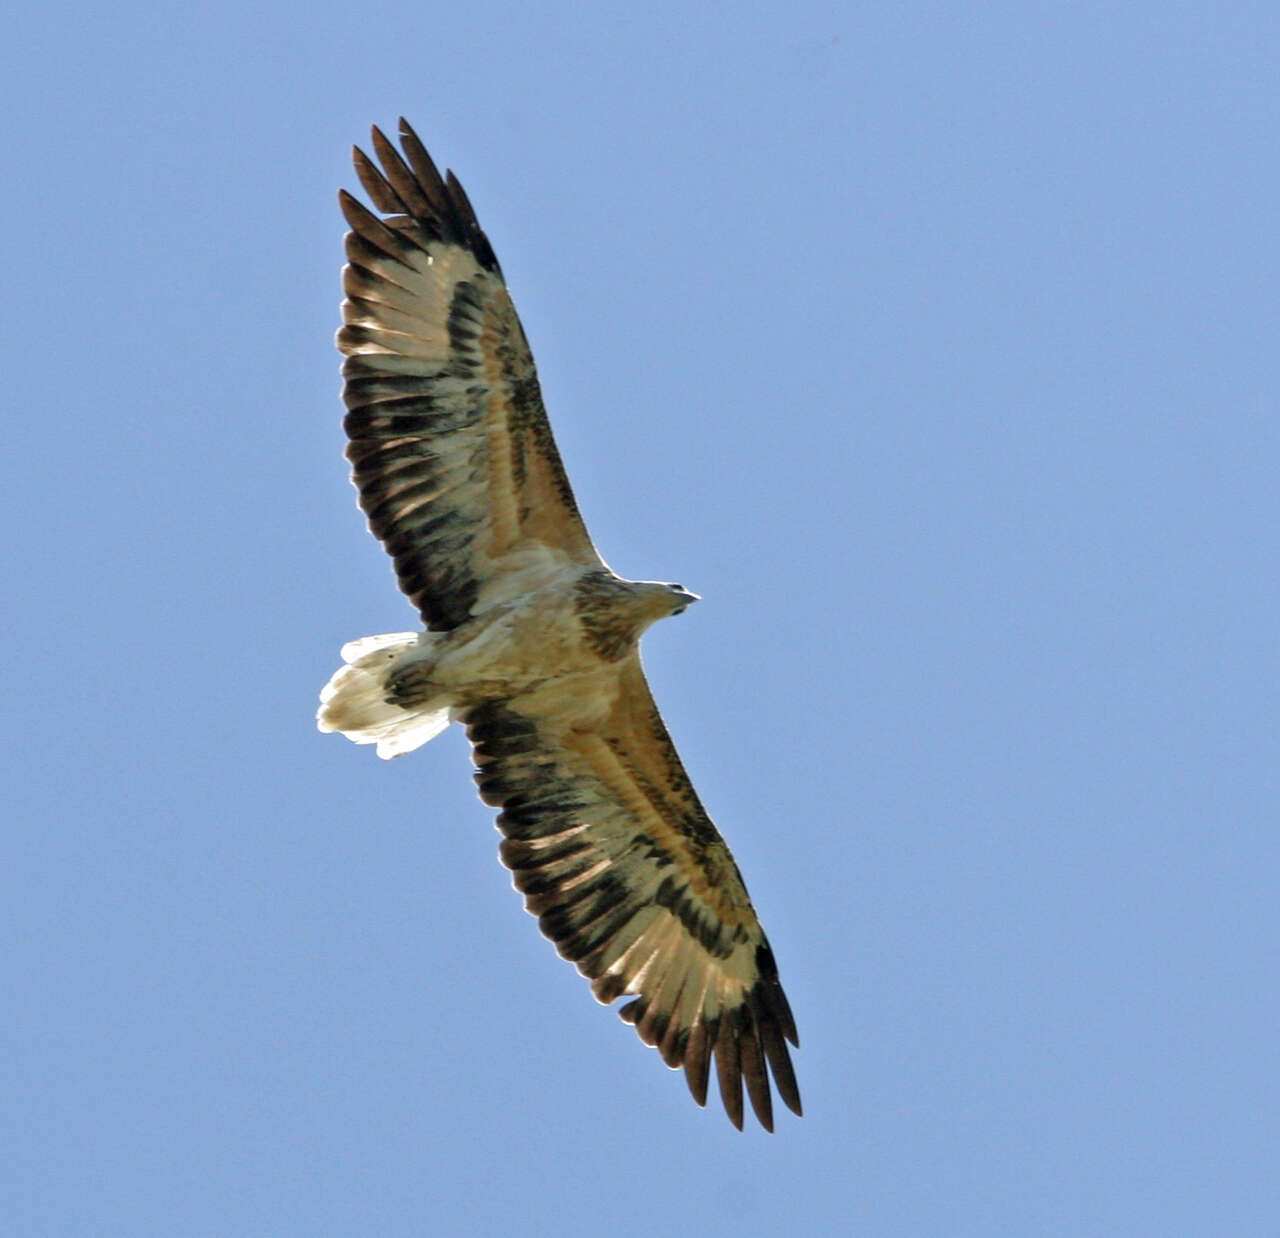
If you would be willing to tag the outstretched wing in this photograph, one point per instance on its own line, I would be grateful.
(629, 877)
(451, 451)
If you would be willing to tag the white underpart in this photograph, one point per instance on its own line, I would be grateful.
(354, 700)
(526, 569)
(523, 638)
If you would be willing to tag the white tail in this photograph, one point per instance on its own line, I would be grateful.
(355, 701)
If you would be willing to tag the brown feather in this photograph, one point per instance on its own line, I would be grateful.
(375, 184)
(381, 241)
(440, 381)
(784, 1077)
(424, 168)
(697, 1062)
(729, 1072)
(408, 192)
(753, 1071)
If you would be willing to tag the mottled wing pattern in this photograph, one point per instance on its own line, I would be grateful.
(451, 451)
(629, 877)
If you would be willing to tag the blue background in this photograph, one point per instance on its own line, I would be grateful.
(934, 345)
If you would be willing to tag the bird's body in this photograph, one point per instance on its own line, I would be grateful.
(556, 647)
(533, 644)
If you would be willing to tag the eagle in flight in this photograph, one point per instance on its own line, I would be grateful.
(532, 643)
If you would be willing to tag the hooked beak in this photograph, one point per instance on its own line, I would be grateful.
(687, 599)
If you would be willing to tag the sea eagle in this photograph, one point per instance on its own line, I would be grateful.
(532, 643)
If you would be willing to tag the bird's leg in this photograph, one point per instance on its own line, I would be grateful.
(410, 685)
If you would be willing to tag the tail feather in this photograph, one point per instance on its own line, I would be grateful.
(355, 700)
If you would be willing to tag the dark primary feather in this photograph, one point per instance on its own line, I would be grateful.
(437, 366)
(591, 869)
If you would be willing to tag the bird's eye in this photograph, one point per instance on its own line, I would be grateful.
(680, 588)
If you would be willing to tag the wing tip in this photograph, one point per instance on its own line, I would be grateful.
(412, 185)
(406, 131)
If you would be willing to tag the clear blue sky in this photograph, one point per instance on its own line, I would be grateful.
(934, 345)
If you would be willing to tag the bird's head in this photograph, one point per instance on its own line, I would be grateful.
(680, 598)
(616, 612)
(654, 600)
